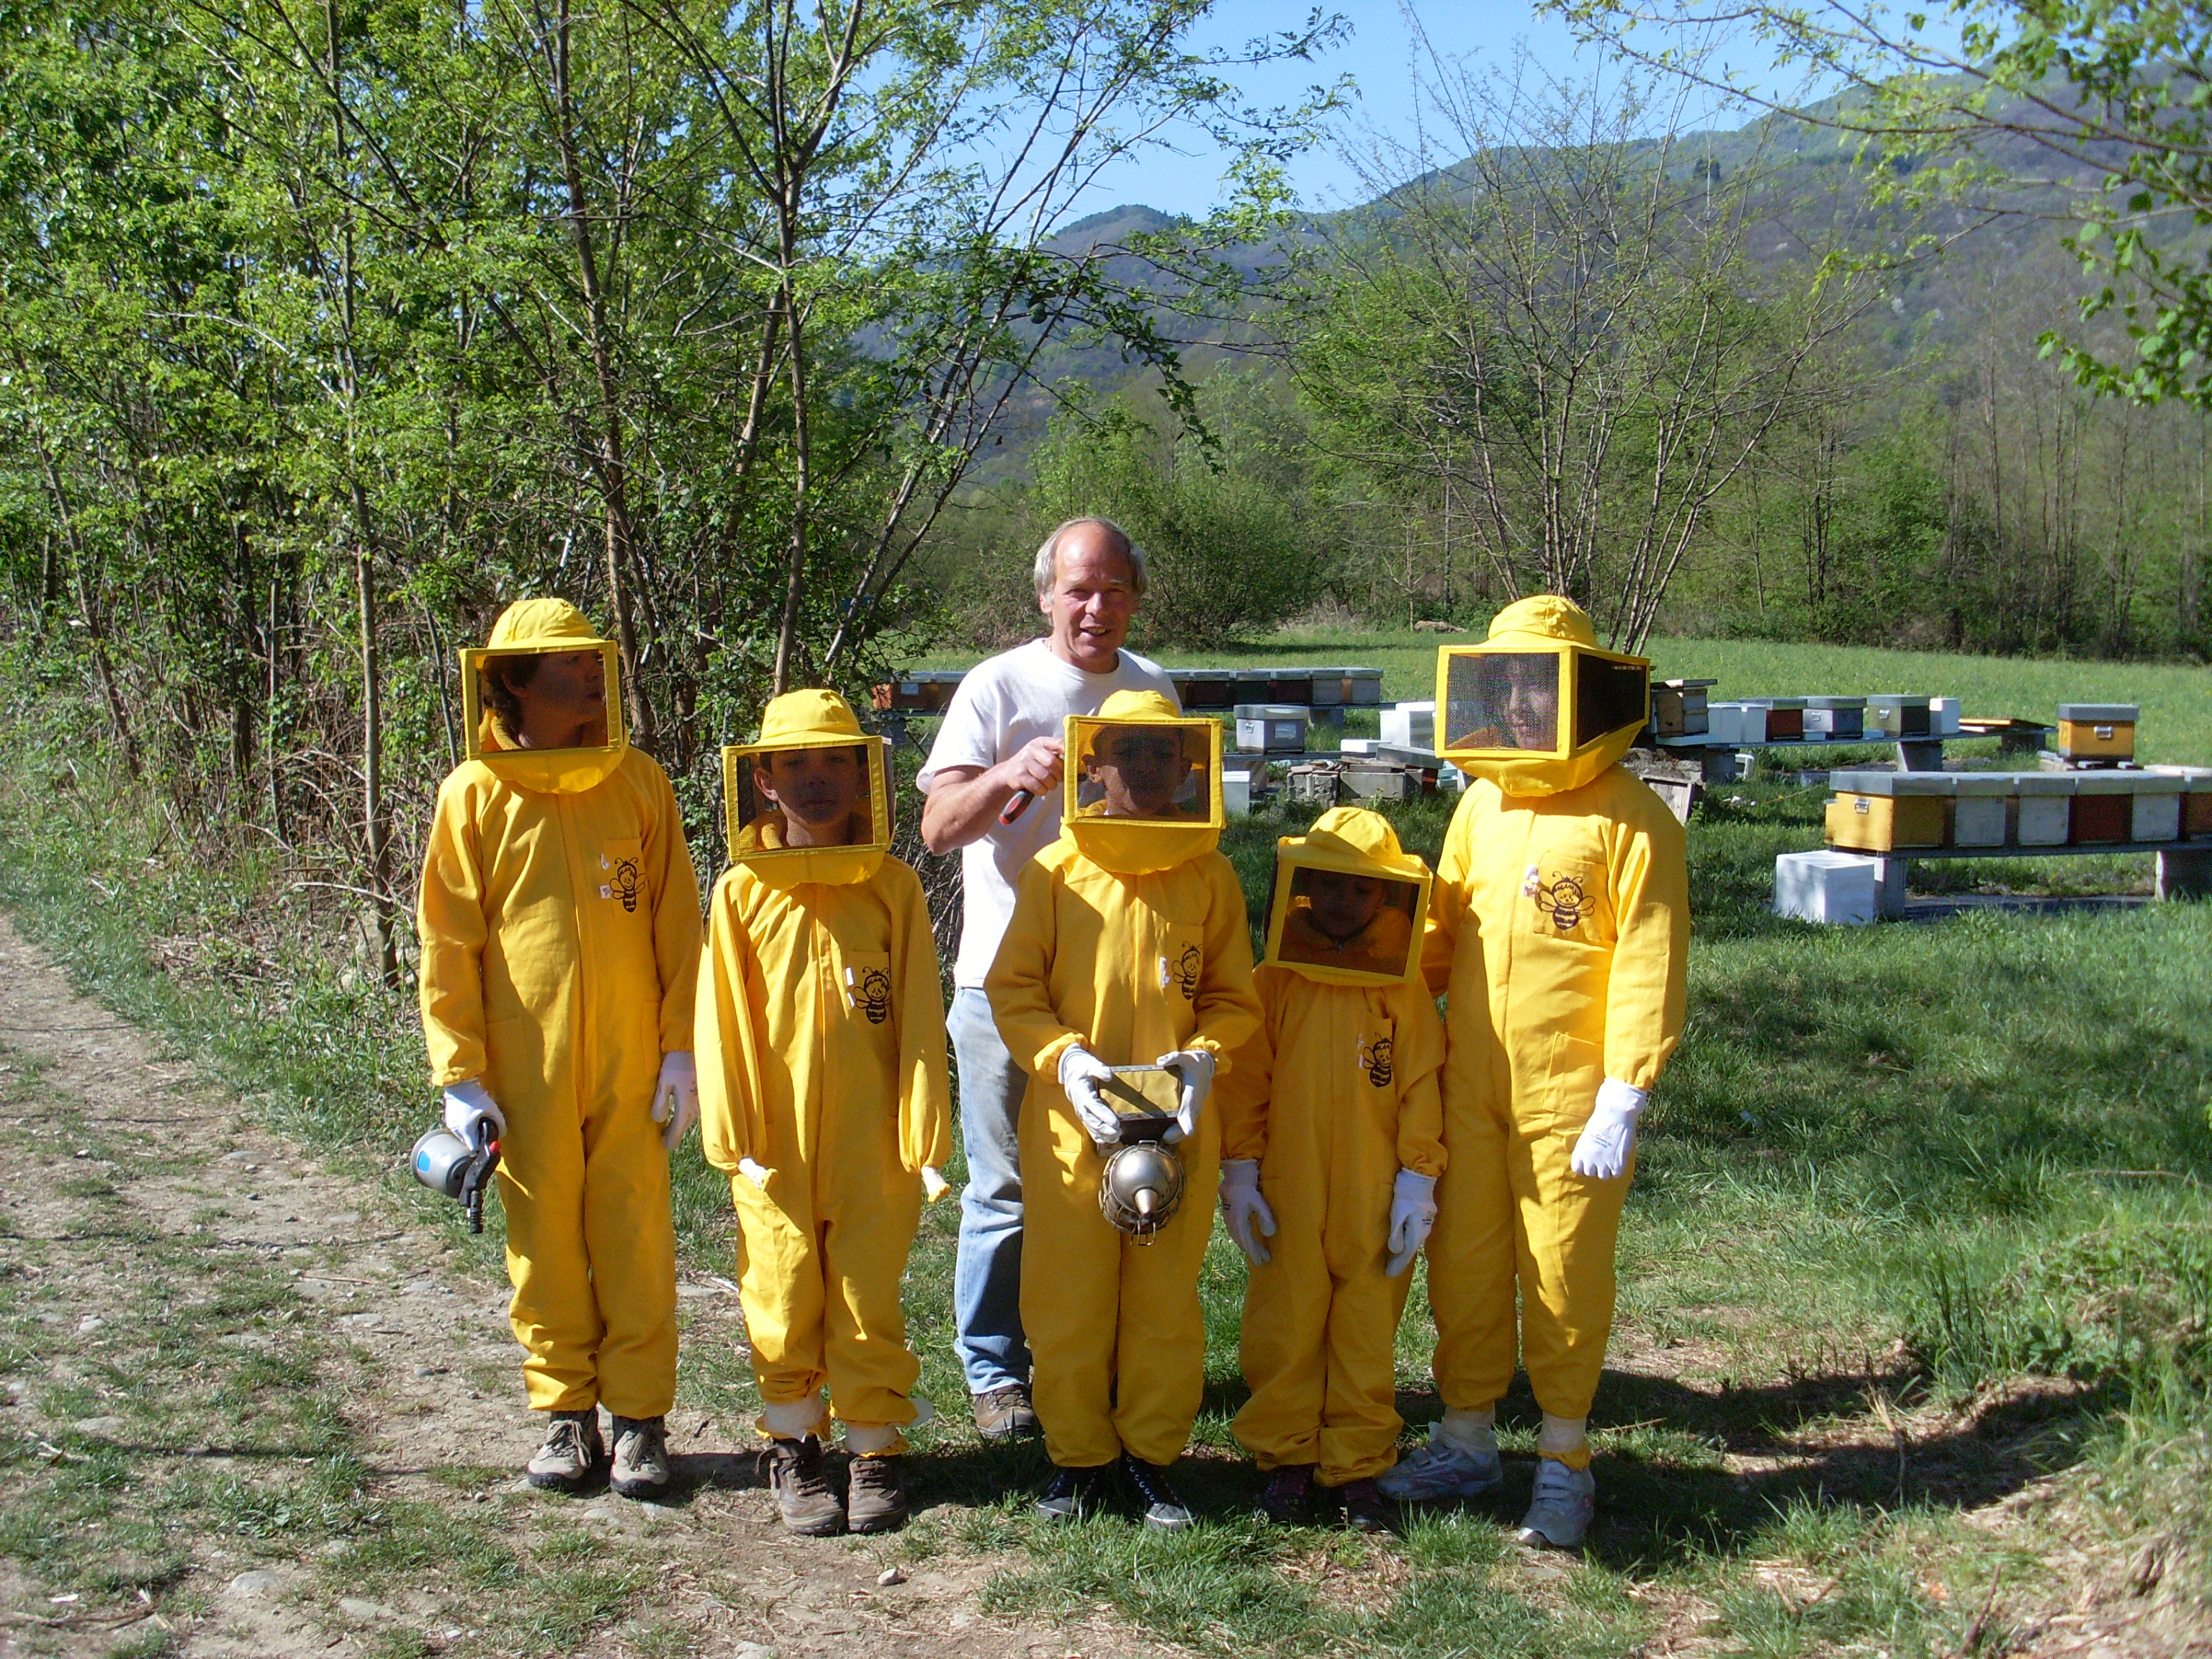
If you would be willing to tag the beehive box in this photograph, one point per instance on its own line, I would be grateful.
(2155, 809)
(1410, 726)
(2097, 730)
(1291, 685)
(1785, 717)
(1825, 887)
(2103, 808)
(1236, 789)
(2044, 809)
(1943, 717)
(925, 692)
(1272, 728)
(1363, 687)
(1328, 688)
(1835, 719)
(1206, 688)
(1982, 810)
(1679, 707)
(1250, 685)
(1896, 716)
(1736, 722)
(2195, 783)
(1379, 780)
(1889, 812)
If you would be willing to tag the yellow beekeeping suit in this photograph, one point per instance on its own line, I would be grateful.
(821, 1028)
(1559, 929)
(1130, 966)
(559, 918)
(1336, 1093)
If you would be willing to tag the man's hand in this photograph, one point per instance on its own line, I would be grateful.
(964, 801)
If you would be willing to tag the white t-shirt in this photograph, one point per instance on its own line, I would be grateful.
(1003, 703)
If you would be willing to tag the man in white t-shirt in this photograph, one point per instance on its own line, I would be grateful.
(1001, 736)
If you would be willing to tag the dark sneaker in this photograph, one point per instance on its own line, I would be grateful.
(1164, 1510)
(569, 1459)
(1287, 1499)
(1073, 1494)
(1365, 1507)
(806, 1497)
(1005, 1413)
(640, 1467)
(875, 1495)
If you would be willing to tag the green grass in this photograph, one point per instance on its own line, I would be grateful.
(1949, 1177)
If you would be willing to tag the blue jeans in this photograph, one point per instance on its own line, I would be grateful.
(986, 1277)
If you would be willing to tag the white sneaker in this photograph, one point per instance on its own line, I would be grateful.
(1560, 1507)
(1437, 1471)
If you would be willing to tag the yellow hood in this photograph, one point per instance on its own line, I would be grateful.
(1348, 841)
(542, 625)
(1137, 847)
(803, 719)
(1549, 623)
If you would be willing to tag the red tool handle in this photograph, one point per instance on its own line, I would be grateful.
(1015, 807)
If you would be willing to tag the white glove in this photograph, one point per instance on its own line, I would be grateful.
(469, 1106)
(1196, 1067)
(1244, 1209)
(676, 1097)
(754, 1171)
(934, 1186)
(1610, 1135)
(1081, 1072)
(1412, 1213)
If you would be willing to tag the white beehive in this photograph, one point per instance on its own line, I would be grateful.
(1837, 888)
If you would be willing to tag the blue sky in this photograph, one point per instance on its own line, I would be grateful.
(1379, 58)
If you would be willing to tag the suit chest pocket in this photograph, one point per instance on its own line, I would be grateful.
(1567, 898)
(621, 875)
(1182, 961)
(865, 981)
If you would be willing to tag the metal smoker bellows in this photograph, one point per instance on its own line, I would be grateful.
(1141, 1187)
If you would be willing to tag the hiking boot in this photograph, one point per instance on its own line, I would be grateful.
(1365, 1508)
(1560, 1507)
(1005, 1413)
(569, 1459)
(1437, 1471)
(875, 1498)
(1288, 1498)
(1164, 1510)
(1073, 1494)
(640, 1467)
(806, 1497)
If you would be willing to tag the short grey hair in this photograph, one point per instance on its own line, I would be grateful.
(1048, 554)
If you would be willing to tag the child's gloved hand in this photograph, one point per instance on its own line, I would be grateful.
(473, 1114)
(1245, 1208)
(1081, 1072)
(1412, 1214)
(676, 1097)
(934, 1186)
(1195, 1067)
(754, 1171)
(1601, 1151)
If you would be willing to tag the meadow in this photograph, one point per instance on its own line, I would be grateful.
(1915, 1343)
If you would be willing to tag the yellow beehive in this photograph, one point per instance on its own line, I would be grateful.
(2097, 730)
(1889, 812)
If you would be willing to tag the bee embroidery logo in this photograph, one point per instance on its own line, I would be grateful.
(1375, 1060)
(1565, 900)
(873, 995)
(1186, 972)
(626, 884)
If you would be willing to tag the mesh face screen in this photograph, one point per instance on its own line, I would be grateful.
(510, 682)
(1607, 696)
(1502, 700)
(1128, 770)
(1355, 923)
(826, 790)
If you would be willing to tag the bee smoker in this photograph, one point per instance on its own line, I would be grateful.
(446, 1164)
(1141, 1187)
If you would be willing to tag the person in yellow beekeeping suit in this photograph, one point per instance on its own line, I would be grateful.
(1560, 932)
(559, 918)
(1331, 1148)
(1128, 946)
(826, 1096)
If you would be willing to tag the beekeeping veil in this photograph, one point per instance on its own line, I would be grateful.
(812, 764)
(1539, 709)
(1142, 784)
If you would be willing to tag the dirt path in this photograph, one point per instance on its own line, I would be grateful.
(248, 1411)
